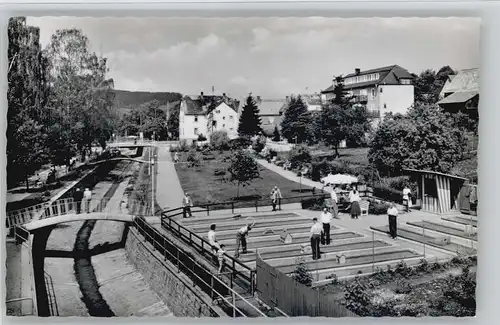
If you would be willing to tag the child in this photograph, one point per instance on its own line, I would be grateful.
(220, 257)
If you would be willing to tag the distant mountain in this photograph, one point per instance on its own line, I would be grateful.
(125, 100)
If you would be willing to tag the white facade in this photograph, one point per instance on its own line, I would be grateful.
(222, 118)
(394, 98)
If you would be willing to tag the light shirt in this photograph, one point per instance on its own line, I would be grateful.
(333, 196)
(392, 211)
(211, 237)
(326, 217)
(406, 191)
(220, 254)
(243, 230)
(316, 229)
(354, 197)
(87, 194)
(276, 194)
(187, 201)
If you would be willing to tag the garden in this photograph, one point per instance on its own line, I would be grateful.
(225, 170)
(429, 289)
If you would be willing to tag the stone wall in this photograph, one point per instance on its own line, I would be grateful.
(174, 288)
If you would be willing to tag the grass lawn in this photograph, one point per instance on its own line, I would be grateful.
(205, 187)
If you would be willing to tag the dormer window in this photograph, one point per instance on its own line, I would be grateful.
(196, 118)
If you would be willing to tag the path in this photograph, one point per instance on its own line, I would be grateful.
(169, 193)
(293, 176)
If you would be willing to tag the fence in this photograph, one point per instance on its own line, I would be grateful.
(277, 289)
(202, 278)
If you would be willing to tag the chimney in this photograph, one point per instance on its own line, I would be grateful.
(258, 99)
(358, 71)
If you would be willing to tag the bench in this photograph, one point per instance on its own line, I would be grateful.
(364, 205)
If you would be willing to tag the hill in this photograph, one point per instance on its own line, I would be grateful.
(125, 99)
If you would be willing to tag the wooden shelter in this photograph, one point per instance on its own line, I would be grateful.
(438, 192)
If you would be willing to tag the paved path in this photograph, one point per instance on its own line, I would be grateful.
(169, 191)
(293, 176)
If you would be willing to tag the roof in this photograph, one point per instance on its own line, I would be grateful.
(458, 97)
(197, 107)
(417, 171)
(390, 75)
(270, 107)
(464, 80)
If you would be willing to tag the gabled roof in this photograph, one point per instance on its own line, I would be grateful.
(464, 80)
(202, 107)
(389, 75)
(458, 97)
(429, 172)
(270, 107)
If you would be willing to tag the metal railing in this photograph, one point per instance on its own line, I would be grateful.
(211, 284)
(59, 208)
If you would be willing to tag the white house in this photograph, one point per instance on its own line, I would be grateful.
(382, 90)
(207, 114)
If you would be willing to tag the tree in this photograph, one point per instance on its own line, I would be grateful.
(428, 84)
(81, 97)
(295, 126)
(250, 122)
(299, 156)
(243, 169)
(276, 134)
(173, 120)
(336, 123)
(426, 138)
(301, 273)
(27, 97)
(219, 140)
(341, 96)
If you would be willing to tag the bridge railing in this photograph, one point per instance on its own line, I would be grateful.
(203, 278)
(63, 207)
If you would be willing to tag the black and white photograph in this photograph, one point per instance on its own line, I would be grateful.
(242, 167)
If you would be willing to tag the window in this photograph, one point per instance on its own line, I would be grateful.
(373, 93)
(223, 125)
(381, 90)
(217, 111)
(385, 105)
(231, 117)
(196, 131)
(230, 129)
(196, 118)
(223, 117)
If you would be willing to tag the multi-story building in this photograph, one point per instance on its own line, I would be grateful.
(207, 114)
(269, 113)
(382, 90)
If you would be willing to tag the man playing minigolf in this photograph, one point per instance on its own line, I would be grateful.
(316, 231)
(241, 240)
(326, 219)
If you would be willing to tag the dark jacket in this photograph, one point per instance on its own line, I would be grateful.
(78, 195)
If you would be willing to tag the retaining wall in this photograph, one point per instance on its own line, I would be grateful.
(174, 288)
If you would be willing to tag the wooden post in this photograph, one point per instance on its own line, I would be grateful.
(232, 207)
(373, 252)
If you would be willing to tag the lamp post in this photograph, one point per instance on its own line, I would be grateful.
(152, 186)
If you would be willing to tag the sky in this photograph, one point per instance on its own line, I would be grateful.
(270, 57)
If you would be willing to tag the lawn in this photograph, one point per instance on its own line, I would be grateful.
(205, 187)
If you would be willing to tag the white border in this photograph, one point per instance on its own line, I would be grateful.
(489, 178)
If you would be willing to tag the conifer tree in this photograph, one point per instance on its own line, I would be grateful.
(276, 134)
(250, 122)
(296, 123)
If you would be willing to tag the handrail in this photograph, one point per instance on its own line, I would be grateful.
(141, 226)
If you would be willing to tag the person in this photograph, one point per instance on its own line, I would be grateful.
(212, 240)
(316, 231)
(276, 197)
(392, 213)
(88, 196)
(325, 218)
(220, 257)
(187, 205)
(241, 240)
(123, 207)
(355, 208)
(334, 199)
(176, 157)
(77, 198)
(407, 198)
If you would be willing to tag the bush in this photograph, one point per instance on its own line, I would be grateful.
(301, 273)
(239, 143)
(193, 158)
(183, 146)
(202, 138)
(357, 298)
(314, 203)
(386, 193)
(299, 156)
(219, 172)
(378, 208)
(259, 144)
(219, 140)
